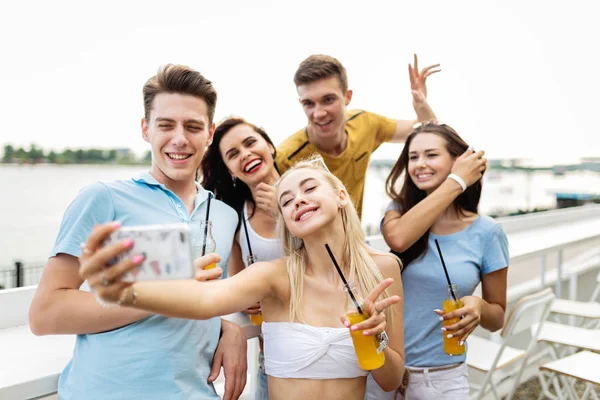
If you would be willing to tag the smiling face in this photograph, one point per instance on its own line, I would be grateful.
(247, 155)
(324, 103)
(429, 162)
(178, 131)
(308, 201)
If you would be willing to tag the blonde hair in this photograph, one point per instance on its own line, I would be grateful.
(357, 262)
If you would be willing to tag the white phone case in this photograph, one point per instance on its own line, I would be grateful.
(166, 249)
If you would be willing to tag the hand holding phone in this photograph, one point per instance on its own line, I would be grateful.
(166, 249)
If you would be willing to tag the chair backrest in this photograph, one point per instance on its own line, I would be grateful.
(14, 306)
(596, 294)
(528, 310)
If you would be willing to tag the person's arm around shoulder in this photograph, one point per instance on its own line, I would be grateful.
(402, 229)
(389, 376)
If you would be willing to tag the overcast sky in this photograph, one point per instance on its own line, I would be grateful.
(519, 77)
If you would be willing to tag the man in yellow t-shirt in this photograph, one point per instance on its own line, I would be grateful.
(345, 139)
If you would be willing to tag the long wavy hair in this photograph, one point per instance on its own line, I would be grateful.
(216, 176)
(409, 195)
(357, 262)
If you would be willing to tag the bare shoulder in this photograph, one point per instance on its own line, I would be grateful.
(274, 273)
(273, 267)
(389, 265)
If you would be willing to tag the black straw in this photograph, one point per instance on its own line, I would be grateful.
(445, 270)
(246, 230)
(206, 223)
(343, 278)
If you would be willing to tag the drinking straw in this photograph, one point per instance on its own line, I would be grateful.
(206, 223)
(445, 270)
(247, 237)
(343, 278)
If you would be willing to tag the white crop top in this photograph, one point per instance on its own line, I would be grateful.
(266, 249)
(294, 350)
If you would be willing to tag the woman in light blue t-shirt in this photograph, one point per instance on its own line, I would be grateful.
(439, 182)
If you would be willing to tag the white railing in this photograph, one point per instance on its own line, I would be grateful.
(544, 239)
(30, 365)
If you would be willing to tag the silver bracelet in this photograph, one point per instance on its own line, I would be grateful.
(384, 341)
(458, 180)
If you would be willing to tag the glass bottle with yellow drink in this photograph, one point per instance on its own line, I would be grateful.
(207, 243)
(368, 350)
(452, 346)
(256, 319)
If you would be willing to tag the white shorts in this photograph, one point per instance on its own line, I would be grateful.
(448, 384)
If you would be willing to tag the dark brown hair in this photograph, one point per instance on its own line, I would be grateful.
(319, 66)
(409, 195)
(215, 175)
(180, 79)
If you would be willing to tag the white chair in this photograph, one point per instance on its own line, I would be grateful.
(560, 336)
(587, 312)
(582, 366)
(499, 361)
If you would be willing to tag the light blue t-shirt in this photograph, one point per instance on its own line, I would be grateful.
(157, 357)
(477, 250)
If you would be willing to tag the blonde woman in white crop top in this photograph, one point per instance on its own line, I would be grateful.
(308, 349)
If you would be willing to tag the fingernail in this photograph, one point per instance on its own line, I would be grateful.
(449, 336)
(461, 342)
(128, 243)
(346, 324)
(437, 310)
(354, 328)
(137, 259)
(366, 333)
(441, 318)
(443, 329)
(115, 224)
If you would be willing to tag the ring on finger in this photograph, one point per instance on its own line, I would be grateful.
(103, 280)
(377, 309)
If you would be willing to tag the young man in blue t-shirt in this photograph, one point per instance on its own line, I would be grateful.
(124, 353)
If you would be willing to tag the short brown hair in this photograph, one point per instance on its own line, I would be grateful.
(180, 79)
(320, 66)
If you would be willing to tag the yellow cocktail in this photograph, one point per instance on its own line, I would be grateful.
(256, 319)
(210, 266)
(451, 346)
(365, 346)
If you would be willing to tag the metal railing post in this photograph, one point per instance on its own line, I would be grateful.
(559, 268)
(543, 271)
(19, 274)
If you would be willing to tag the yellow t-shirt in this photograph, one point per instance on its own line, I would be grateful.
(365, 130)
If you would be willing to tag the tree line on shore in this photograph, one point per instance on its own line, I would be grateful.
(36, 155)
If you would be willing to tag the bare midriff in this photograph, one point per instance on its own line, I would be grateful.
(304, 389)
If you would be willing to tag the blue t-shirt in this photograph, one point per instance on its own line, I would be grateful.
(479, 249)
(157, 357)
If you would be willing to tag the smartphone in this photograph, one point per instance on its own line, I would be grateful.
(167, 251)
